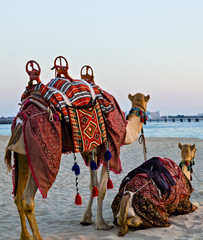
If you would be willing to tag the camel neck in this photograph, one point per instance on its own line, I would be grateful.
(133, 129)
(186, 166)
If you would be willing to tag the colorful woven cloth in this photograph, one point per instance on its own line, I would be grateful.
(147, 202)
(88, 128)
(76, 91)
(43, 144)
(115, 123)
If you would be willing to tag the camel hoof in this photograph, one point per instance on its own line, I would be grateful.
(85, 223)
(104, 226)
(27, 238)
(123, 231)
(196, 204)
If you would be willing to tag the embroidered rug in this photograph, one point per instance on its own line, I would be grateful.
(147, 203)
(88, 128)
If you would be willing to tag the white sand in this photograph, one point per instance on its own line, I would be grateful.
(58, 217)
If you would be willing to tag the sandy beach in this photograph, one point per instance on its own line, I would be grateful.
(58, 217)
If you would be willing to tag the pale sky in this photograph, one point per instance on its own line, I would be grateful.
(149, 46)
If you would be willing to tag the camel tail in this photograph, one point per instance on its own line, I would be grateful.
(124, 206)
(13, 139)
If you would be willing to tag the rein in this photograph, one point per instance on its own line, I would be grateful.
(141, 140)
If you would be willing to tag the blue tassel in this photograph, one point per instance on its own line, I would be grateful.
(93, 165)
(76, 169)
(107, 155)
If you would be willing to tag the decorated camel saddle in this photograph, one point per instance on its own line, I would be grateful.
(67, 115)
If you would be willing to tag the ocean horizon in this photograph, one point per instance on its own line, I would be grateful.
(153, 129)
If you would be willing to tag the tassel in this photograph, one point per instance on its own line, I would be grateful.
(95, 191)
(76, 169)
(109, 184)
(93, 165)
(186, 163)
(56, 117)
(107, 157)
(78, 199)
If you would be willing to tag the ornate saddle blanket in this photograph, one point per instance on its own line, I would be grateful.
(88, 128)
(63, 92)
(152, 205)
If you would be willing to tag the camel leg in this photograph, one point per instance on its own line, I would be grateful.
(122, 217)
(23, 170)
(100, 223)
(87, 216)
(29, 205)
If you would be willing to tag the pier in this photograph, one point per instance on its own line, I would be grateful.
(177, 119)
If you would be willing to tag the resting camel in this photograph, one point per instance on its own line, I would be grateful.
(26, 186)
(142, 202)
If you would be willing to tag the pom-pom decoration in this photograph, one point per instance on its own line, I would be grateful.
(93, 165)
(107, 155)
(76, 169)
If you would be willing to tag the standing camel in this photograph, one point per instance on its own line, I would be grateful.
(154, 191)
(26, 182)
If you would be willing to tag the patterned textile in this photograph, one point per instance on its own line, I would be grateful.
(115, 123)
(149, 205)
(44, 136)
(88, 128)
(76, 91)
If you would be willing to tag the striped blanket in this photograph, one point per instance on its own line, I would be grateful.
(62, 92)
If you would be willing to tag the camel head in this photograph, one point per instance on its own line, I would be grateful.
(187, 154)
(187, 151)
(139, 100)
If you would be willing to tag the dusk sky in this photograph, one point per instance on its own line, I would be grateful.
(149, 46)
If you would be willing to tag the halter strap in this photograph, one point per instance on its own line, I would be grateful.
(138, 112)
(188, 163)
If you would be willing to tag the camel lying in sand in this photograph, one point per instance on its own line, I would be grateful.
(26, 186)
(148, 202)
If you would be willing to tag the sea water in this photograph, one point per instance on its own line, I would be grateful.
(174, 129)
(154, 129)
(5, 129)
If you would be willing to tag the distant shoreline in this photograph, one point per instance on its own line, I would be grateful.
(6, 121)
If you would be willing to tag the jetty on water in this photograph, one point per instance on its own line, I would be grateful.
(177, 119)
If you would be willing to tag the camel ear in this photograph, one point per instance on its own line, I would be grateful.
(192, 147)
(147, 98)
(180, 145)
(130, 97)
